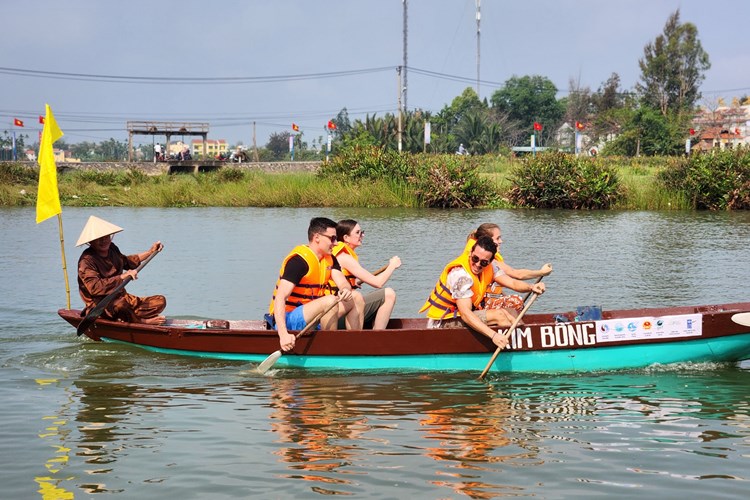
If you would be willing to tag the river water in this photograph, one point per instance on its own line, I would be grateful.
(86, 420)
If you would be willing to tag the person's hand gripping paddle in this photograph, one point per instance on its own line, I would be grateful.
(271, 360)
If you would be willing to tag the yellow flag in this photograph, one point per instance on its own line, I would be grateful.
(48, 197)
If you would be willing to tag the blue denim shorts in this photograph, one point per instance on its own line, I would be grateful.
(295, 320)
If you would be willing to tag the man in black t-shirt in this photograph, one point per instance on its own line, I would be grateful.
(300, 293)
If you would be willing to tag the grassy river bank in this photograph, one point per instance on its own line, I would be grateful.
(233, 187)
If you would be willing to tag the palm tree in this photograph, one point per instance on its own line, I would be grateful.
(469, 131)
(491, 139)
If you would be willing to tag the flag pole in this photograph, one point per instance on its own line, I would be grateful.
(48, 195)
(64, 261)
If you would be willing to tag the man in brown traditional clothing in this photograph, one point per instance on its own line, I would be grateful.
(102, 267)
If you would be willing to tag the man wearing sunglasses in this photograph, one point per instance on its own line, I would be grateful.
(507, 276)
(457, 297)
(300, 293)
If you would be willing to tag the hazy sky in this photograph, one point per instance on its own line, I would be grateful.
(248, 40)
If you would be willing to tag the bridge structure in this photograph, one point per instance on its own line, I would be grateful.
(167, 129)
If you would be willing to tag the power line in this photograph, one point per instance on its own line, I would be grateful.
(222, 80)
(229, 118)
(158, 80)
(455, 78)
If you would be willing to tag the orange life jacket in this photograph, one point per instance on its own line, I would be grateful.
(440, 304)
(499, 258)
(312, 285)
(339, 248)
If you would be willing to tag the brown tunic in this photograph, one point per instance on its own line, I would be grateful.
(99, 276)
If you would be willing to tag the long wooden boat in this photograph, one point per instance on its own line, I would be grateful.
(621, 339)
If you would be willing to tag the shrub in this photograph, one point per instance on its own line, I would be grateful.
(451, 181)
(439, 181)
(13, 173)
(715, 180)
(134, 177)
(563, 180)
(123, 177)
(230, 174)
(367, 162)
(102, 178)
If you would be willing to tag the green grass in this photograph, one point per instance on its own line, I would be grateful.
(232, 187)
(251, 189)
(642, 192)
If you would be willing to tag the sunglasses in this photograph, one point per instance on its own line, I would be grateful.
(333, 238)
(481, 262)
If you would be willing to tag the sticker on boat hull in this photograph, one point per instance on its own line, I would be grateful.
(650, 327)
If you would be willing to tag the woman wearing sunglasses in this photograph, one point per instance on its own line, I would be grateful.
(505, 275)
(456, 301)
(378, 304)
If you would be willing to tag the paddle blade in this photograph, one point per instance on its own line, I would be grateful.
(84, 325)
(742, 319)
(269, 362)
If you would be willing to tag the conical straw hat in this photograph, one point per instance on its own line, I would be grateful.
(96, 228)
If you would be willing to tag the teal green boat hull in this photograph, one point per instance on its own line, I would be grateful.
(718, 350)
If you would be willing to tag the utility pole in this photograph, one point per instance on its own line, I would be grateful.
(406, 32)
(400, 87)
(255, 146)
(479, 18)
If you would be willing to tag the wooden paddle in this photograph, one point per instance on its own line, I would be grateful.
(741, 319)
(507, 334)
(359, 281)
(525, 297)
(512, 327)
(271, 360)
(84, 325)
(380, 270)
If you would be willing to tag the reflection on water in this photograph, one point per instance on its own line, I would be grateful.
(325, 426)
(467, 439)
(471, 433)
(104, 409)
(131, 421)
(55, 434)
(313, 431)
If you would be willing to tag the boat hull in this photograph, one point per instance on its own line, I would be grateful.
(725, 349)
(622, 339)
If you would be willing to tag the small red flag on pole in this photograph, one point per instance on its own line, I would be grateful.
(331, 125)
(17, 122)
(579, 126)
(41, 119)
(295, 127)
(537, 126)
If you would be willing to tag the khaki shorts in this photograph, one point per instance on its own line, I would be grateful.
(458, 322)
(373, 301)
